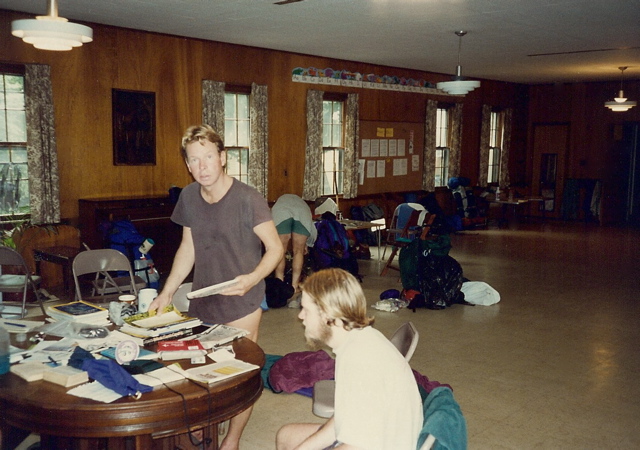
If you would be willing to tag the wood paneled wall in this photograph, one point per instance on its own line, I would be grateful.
(174, 68)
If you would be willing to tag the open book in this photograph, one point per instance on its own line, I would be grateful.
(211, 290)
(220, 371)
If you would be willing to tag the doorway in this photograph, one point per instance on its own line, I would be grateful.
(550, 147)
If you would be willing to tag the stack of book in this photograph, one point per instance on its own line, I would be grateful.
(172, 350)
(79, 312)
(148, 328)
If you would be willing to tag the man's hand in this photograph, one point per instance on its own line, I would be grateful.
(160, 302)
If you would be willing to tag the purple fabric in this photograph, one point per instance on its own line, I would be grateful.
(298, 370)
(428, 385)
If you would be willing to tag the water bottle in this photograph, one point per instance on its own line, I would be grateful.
(4, 351)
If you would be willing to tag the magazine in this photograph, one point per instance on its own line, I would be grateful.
(211, 290)
(219, 335)
(219, 371)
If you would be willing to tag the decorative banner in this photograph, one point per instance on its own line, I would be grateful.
(329, 76)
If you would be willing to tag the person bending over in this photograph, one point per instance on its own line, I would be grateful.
(377, 402)
(294, 223)
(224, 224)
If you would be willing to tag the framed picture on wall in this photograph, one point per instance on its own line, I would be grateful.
(134, 128)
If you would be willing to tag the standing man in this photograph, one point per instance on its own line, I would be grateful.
(224, 224)
(377, 402)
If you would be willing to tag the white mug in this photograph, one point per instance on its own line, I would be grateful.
(145, 297)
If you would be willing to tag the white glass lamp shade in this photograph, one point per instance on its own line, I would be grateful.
(620, 103)
(51, 33)
(458, 87)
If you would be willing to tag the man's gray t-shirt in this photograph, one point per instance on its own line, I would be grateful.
(225, 247)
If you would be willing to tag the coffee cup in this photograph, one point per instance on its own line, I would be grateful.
(145, 297)
(129, 299)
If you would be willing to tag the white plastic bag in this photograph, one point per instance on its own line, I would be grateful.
(479, 293)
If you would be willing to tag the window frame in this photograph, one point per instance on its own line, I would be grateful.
(496, 136)
(442, 152)
(333, 176)
(15, 149)
(235, 151)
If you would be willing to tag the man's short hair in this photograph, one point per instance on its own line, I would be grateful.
(339, 296)
(200, 133)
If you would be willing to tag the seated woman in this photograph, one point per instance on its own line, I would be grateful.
(294, 223)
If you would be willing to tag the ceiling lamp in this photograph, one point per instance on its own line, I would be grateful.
(51, 32)
(459, 86)
(620, 103)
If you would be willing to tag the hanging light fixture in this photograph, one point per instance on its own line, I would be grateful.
(620, 103)
(51, 32)
(459, 86)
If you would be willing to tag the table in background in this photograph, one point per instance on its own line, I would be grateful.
(353, 225)
(62, 255)
(515, 205)
(152, 422)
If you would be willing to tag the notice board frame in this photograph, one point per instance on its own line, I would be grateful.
(412, 133)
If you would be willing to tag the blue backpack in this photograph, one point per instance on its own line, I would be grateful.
(331, 248)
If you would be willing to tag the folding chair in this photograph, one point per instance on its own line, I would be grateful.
(16, 283)
(409, 221)
(405, 339)
(104, 264)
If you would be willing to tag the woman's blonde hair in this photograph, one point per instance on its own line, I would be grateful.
(339, 296)
(200, 133)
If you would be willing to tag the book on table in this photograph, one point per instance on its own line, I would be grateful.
(219, 335)
(29, 371)
(170, 350)
(212, 373)
(66, 376)
(146, 325)
(79, 311)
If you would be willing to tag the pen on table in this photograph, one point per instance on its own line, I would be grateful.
(15, 324)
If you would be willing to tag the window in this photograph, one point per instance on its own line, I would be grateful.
(14, 176)
(332, 147)
(495, 146)
(237, 132)
(442, 147)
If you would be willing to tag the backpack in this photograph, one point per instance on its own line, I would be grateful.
(331, 248)
(366, 214)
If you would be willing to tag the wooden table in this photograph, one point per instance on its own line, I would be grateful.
(62, 255)
(152, 422)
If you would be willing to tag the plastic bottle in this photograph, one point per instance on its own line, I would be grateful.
(498, 193)
(4, 351)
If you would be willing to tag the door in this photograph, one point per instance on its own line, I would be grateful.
(550, 147)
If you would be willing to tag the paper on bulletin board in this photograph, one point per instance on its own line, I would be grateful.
(388, 132)
(400, 166)
(401, 147)
(384, 148)
(361, 169)
(415, 163)
(375, 148)
(380, 168)
(380, 132)
(393, 147)
(366, 148)
(371, 169)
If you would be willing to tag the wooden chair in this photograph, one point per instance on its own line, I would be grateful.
(409, 221)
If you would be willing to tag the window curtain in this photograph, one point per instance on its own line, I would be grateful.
(259, 150)
(42, 155)
(429, 152)
(313, 150)
(506, 147)
(351, 134)
(485, 132)
(213, 105)
(455, 146)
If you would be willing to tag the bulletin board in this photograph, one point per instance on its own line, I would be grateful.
(390, 157)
